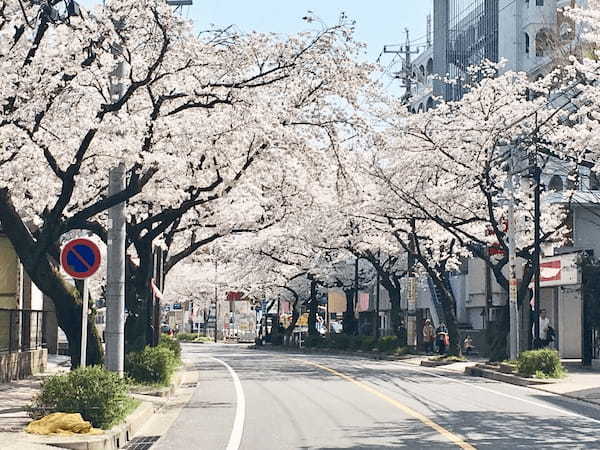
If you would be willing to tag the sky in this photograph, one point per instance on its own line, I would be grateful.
(378, 22)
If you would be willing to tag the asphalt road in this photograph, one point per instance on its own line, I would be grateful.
(257, 400)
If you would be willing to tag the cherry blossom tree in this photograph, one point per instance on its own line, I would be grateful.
(202, 127)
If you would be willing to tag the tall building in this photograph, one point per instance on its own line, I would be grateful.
(528, 35)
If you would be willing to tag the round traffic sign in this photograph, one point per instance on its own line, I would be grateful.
(80, 258)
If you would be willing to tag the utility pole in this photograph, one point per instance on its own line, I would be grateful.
(216, 301)
(377, 331)
(536, 237)
(429, 40)
(512, 258)
(115, 276)
(411, 303)
(406, 73)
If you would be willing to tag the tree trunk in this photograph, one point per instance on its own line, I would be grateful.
(313, 309)
(350, 324)
(138, 301)
(448, 305)
(47, 277)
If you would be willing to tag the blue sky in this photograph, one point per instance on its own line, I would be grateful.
(379, 22)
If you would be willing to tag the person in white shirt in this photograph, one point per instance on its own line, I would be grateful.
(544, 324)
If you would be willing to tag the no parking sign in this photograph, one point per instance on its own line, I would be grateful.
(80, 258)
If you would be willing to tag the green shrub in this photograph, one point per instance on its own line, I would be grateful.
(388, 344)
(313, 341)
(154, 365)
(368, 343)
(171, 344)
(186, 337)
(544, 363)
(340, 341)
(100, 396)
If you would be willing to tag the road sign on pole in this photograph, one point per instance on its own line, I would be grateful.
(80, 259)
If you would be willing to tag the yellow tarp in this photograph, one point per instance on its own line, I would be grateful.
(62, 423)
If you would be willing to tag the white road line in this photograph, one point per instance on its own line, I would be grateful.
(531, 402)
(235, 438)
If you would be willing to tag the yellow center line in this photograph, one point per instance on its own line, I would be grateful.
(409, 411)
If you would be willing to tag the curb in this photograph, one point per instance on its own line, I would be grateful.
(118, 436)
(112, 439)
(504, 377)
(430, 363)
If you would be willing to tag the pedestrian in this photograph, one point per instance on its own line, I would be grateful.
(428, 336)
(468, 345)
(442, 338)
(544, 322)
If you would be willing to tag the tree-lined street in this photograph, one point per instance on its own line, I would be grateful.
(328, 402)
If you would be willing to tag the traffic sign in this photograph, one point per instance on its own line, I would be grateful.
(80, 258)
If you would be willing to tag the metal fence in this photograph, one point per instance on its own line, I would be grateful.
(21, 330)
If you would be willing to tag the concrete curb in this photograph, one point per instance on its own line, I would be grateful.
(112, 439)
(433, 363)
(118, 436)
(504, 377)
(164, 391)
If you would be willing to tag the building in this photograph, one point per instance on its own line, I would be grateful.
(527, 35)
(24, 328)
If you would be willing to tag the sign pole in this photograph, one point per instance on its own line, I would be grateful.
(84, 322)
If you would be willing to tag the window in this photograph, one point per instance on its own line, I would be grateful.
(429, 66)
(556, 184)
(543, 41)
(539, 2)
(527, 43)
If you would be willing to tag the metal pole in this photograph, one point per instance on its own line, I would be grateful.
(512, 274)
(84, 323)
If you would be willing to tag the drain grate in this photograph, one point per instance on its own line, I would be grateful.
(188, 385)
(142, 442)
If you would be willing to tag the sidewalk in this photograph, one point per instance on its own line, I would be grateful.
(16, 395)
(581, 383)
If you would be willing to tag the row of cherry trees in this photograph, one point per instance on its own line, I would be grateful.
(278, 153)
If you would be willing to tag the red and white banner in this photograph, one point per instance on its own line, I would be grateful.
(559, 271)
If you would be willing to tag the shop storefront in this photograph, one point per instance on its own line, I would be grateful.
(561, 297)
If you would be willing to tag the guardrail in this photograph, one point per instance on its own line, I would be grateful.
(21, 330)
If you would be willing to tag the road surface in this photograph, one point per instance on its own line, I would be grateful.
(258, 400)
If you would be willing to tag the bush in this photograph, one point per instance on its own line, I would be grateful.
(100, 396)
(186, 337)
(544, 363)
(153, 365)
(171, 344)
(314, 341)
(368, 343)
(388, 344)
(340, 341)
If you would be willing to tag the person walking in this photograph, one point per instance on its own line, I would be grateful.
(428, 336)
(442, 338)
